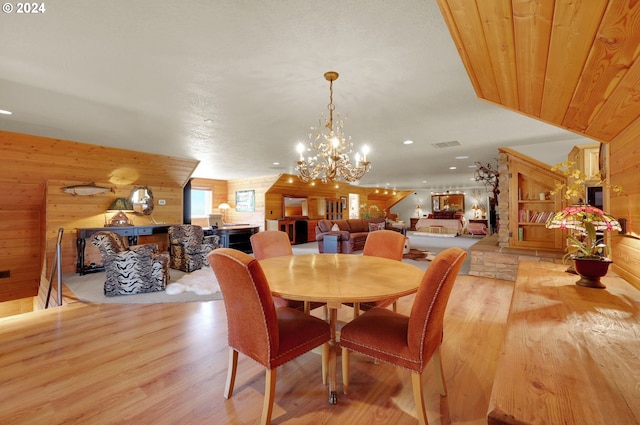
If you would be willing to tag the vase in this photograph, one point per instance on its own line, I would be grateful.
(591, 270)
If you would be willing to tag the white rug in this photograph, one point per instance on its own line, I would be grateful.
(202, 282)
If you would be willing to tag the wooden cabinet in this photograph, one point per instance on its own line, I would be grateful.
(531, 204)
(311, 230)
(586, 158)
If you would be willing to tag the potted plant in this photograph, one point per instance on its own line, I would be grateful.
(585, 248)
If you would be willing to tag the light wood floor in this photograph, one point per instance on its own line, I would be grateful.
(166, 364)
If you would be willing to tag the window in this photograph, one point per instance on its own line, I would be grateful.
(201, 200)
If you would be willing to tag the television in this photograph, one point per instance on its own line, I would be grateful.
(594, 196)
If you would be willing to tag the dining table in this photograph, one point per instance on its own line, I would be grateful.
(335, 279)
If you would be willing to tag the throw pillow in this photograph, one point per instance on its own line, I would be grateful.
(335, 228)
(376, 226)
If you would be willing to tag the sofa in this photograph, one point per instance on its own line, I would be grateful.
(353, 232)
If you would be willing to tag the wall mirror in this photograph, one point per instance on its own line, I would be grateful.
(448, 202)
(142, 200)
(295, 206)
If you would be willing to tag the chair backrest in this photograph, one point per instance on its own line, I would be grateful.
(186, 234)
(251, 316)
(108, 242)
(427, 313)
(385, 244)
(270, 243)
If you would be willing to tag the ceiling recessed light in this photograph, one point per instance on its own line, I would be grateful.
(452, 168)
(462, 157)
(208, 121)
(5, 112)
(408, 142)
(276, 163)
(472, 166)
(424, 181)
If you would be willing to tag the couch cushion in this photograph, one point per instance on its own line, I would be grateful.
(357, 225)
(376, 226)
(343, 225)
(324, 225)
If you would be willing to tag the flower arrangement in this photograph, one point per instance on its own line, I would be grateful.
(584, 219)
(369, 212)
(587, 220)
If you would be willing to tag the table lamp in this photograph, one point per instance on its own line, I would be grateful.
(223, 207)
(119, 206)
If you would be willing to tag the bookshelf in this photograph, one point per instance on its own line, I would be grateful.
(531, 204)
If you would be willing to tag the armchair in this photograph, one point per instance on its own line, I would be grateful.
(131, 270)
(189, 247)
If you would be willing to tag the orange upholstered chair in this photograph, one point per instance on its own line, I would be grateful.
(271, 243)
(274, 243)
(271, 336)
(386, 244)
(410, 341)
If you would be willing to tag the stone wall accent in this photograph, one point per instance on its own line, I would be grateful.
(503, 199)
(489, 259)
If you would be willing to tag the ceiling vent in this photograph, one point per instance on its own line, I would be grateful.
(447, 144)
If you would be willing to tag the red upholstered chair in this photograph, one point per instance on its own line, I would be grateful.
(271, 336)
(385, 244)
(408, 341)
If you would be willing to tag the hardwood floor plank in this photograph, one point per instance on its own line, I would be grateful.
(166, 364)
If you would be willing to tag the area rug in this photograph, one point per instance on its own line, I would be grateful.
(90, 288)
(201, 282)
(417, 255)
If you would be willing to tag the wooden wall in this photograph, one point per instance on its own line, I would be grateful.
(624, 170)
(33, 207)
(288, 184)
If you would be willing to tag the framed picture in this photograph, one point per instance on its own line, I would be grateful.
(245, 200)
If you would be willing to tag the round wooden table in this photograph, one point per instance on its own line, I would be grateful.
(336, 279)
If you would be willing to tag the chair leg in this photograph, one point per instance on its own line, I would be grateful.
(346, 367)
(437, 363)
(325, 362)
(394, 306)
(231, 373)
(416, 380)
(307, 307)
(269, 393)
(356, 310)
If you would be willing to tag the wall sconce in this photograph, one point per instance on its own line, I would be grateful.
(119, 206)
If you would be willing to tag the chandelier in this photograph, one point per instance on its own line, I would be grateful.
(329, 159)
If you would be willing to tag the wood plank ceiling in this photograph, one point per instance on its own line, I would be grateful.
(571, 63)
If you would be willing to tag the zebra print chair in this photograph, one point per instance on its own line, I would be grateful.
(131, 270)
(189, 247)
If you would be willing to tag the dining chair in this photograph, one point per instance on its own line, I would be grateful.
(386, 244)
(408, 342)
(271, 336)
(275, 243)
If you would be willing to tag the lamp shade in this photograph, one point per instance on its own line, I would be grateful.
(120, 204)
(576, 217)
(224, 206)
